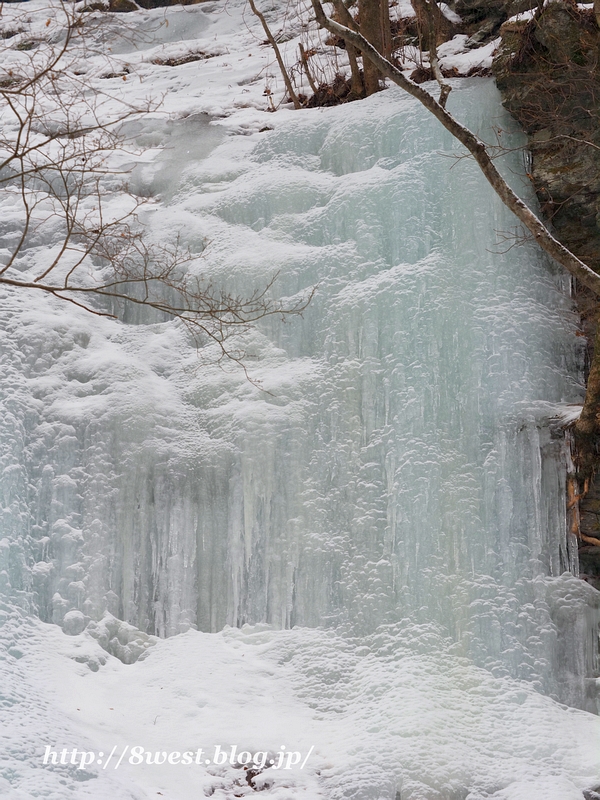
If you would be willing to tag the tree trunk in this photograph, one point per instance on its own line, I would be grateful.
(306, 65)
(278, 56)
(357, 86)
(369, 15)
(476, 147)
(386, 30)
(429, 28)
(342, 15)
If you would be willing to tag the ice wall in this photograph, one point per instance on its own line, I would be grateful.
(395, 466)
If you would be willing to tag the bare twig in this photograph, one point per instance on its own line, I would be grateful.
(477, 149)
(278, 56)
(55, 151)
(427, 8)
(305, 64)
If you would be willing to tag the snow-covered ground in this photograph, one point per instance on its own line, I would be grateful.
(390, 716)
(383, 505)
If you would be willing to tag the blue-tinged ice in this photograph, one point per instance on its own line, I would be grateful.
(393, 467)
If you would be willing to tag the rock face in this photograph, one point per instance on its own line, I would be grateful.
(483, 18)
(547, 70)
(125, 6)
(161, 3)
(549, 74)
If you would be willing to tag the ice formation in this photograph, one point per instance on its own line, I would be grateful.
(383, 507)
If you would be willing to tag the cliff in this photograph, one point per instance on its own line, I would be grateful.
(548, 71)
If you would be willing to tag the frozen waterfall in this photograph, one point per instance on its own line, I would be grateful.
(397, 464)
(361, 553)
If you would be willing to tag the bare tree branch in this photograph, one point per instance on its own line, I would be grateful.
(475, 146)
(427, 9)
(55, 163)
(278, 56)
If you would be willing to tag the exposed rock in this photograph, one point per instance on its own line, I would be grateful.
(480, 11)
(161, 3)
(487, 32)
(519, 6)
(559, 33)
(95, 5)
(547, 69)
(589, 554)
(547, 73)
(123, 6)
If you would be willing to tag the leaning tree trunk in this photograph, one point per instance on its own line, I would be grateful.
(587, 428)
(476, 148)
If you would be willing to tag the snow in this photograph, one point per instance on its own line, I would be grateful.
(389, 714)
(378, 715)
(385, 507)
(453, 55)
(450, 15)
(523, 16)
(402, 10)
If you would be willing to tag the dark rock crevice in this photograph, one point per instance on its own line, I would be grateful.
(548, 70)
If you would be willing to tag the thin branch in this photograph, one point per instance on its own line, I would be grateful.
(477, 149)
(278, 56)
(304, 60)
(445, 87)
(54, 158)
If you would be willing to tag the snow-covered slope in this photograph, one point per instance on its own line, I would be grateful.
(388, 488)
